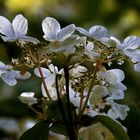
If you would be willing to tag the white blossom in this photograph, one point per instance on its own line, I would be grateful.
(53, 32)
(130, 48)
(28, 98)
(49, 78)
(78, 71)
(9, 76)
(96, 32)
(16, 30)
(89, 50)
(117, 111)
(96, 97)
(112, 81)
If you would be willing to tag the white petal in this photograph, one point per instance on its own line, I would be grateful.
(111, 113)
(50, 27)
(27, 94)
(44, 71)
(111, 77)
(137, 67)
(74, 98)
(52, 68)
(28, 98)
(20, 25)
(118, 43)
(116, 94)
(81, 69)
(6, 27)
(119, 73)
(8, 39)
(89, 46)
(98, 31)
(118, 111)
(50, 80)
(22, 75)
(108, 42)
(134, 54)
(83, 31)
(137, 59)
(120, 86)
(132, 42)
(51, 90)
(78, 71)
(96, 97)
(66, 32)
(9, 78)
(2, 68)
(28, 39)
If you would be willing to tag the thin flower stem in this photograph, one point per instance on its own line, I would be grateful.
(89, 91)
(43, 108)
(66, 71)
(44, 84)
(31, 55)
(61, 107)
(81, 99)
(34, 110)
(113, 59)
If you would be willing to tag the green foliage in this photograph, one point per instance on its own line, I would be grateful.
(59, 129)
(114, 127)
(38, 132)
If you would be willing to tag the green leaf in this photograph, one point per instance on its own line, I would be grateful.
(59, 129)
(114, 127)
(39, 131)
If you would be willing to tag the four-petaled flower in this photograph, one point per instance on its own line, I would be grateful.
(16, 30)
(111, 80)
(130, 48)
(9, 76)
(117, 110)
(95, 32)
(53, 32)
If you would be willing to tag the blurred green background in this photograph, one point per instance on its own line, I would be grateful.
(120, 17)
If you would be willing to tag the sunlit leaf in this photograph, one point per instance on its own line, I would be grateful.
(114, 127)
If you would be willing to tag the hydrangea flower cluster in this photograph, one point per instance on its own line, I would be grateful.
(71, 63)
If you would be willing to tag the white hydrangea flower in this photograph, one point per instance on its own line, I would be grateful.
(112, 81)
(117, 110)
(28, 98)
(130, 48)
(130, 42)
(96, 32)
(53, 32)
(89, 49)
(78, 71)
(49, 78)
(96, 97)
(16, 30)
(9, 76)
